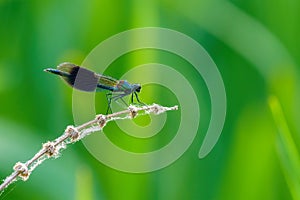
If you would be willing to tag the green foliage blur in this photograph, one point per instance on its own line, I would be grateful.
(256, 46)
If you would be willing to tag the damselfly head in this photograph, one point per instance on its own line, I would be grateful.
(137, 87)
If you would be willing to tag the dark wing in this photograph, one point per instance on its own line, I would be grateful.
(77, 77)
(84, 79)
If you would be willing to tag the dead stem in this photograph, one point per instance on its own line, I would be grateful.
(73, 134)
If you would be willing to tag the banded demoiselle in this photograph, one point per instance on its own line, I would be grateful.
(89, 81)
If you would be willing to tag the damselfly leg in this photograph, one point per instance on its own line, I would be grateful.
(137, 99)
(110, 96)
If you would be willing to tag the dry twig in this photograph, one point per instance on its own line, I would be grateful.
(73, 134)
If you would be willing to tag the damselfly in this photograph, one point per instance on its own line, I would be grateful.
(86, 80)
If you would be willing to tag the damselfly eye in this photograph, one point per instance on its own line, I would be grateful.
(138, 89)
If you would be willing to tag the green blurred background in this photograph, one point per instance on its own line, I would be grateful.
(255, 45)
